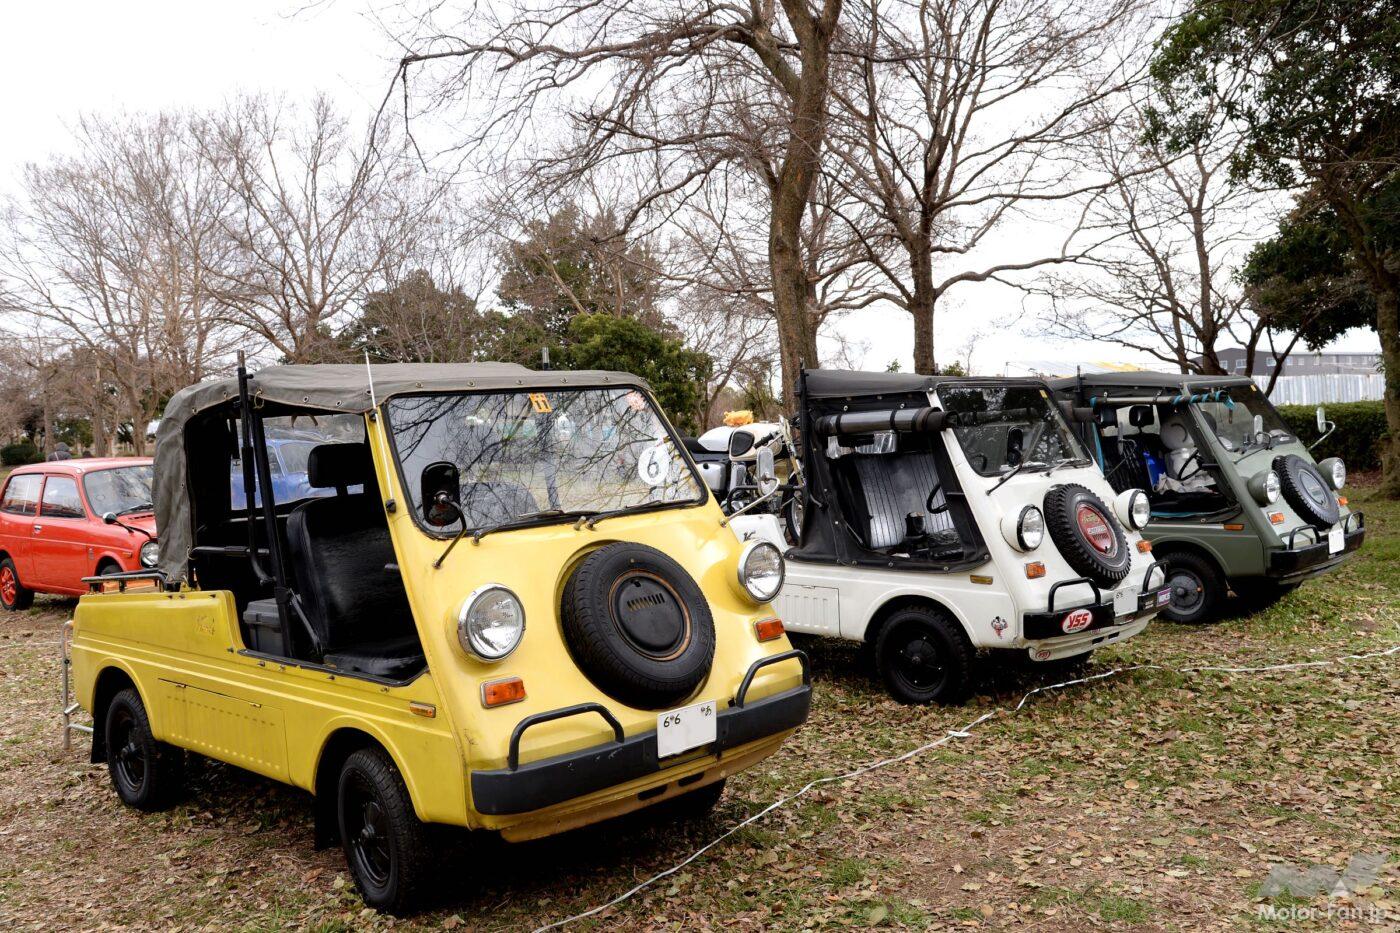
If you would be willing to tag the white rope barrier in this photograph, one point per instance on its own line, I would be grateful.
(964, 733)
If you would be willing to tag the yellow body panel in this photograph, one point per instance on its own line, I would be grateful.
(204, 692)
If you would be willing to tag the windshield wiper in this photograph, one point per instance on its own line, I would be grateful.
(143, 507)
(597, 517)
(519, 521)
(1068, 461)
(1039, 465)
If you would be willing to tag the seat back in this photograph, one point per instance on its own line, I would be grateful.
(893, 485)
(339, 548)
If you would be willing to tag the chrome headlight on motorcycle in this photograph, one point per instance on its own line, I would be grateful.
(150, 554)
(490, 622)
(761, 571)
(1026, 530)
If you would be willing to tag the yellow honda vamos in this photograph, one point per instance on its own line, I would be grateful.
(474, 595)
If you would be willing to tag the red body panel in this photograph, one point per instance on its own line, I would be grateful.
(52, 553)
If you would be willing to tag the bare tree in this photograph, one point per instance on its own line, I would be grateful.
(647, 83)
(1166, 285)
(103, 267)
(317, 217)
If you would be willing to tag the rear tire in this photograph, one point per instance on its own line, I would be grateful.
(146, 774)
(14, 596)
(386, 846)
(1197, 590)
(923, 656)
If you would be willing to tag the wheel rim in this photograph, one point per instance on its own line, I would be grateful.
(919, 662)
(9, 587)
(128, 756)
(1188, 592)
(367, 832)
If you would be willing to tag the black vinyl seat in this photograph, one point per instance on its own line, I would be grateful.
(341, 558)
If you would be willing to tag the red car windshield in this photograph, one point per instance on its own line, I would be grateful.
(123, 490)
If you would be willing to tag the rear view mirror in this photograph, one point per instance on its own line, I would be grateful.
(440, 487)
(110, 518)
(765, 471)
(1321, 419)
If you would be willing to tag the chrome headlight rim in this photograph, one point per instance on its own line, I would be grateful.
(745, 580)
(149, 554)
(1334, 470)
(1265, 487)
(1028, 539)
(470, 641)
(1126, 508)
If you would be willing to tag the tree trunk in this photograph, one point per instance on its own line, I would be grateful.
(1388, 329)
(921, 309)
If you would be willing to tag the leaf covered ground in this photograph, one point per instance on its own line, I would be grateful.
(1149, 800)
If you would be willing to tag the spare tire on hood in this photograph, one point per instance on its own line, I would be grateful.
(638, 626)
(1087, 534)
(1304, 488)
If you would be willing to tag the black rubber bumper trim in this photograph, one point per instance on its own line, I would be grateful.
(543, 783)
(1037, 626)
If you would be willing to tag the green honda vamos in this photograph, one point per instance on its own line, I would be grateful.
(1238, 503)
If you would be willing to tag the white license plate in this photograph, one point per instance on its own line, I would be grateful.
(1125, 602)
(680, 730)
(1336, 541)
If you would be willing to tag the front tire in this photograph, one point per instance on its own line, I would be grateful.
(1197, 590)
(14, 596)
(923, 656)
(147, 774)
(386, 846)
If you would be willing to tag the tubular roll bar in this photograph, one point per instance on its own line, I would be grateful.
(1098, 594)
(69, 706)
(513, 758)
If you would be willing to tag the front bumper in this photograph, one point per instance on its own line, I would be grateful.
(1290, 563)
(519, 788)
(1039, 626)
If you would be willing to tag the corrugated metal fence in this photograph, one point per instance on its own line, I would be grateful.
(1324, 388)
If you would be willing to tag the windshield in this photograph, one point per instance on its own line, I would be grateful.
(123, 490)
(1232, 416)
(1008, 426)
(518, 453)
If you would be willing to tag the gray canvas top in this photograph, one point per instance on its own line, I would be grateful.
(329, 387)
(1147, 380)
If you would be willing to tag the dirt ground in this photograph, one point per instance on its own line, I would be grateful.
(1149, 800)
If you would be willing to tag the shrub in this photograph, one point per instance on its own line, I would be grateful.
(20, 454)
(1357, 440)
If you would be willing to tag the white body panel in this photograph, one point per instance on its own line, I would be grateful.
(843, 601)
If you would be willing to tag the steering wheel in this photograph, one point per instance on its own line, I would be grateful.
(1181, 474)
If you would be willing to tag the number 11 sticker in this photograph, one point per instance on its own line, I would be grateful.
(540, 402)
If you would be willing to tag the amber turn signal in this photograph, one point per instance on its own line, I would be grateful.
(1233, 527)
(1035, 570)
(768, 629)
(502, 692)
(1276, 518)
(1144, 546)
(1341, 500)
(426, 710)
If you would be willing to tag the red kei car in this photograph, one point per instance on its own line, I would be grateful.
(62, 521)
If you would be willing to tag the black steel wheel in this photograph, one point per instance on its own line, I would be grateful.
(1197, 589)
(145, 773)
(386, 845)
(923, 656)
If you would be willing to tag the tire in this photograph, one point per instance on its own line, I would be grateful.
(1088, 535)
(1304, 488)
(14, 595)
(1198, 589)
(638, 626)
(108, 567)
(923, 656)
(697, 804)
(1258, 593)
(386, 846)
(792, 509)
(146, 774)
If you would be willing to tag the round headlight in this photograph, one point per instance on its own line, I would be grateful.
(1030, 528)
(1139, 510)
(761, 571)
(1272, 488)
(150, 554)
(490, 623)
(1335, 470)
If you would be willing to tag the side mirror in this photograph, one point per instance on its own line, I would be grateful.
(110, 518)
(1321, 419)
(440, 487)
(765, 471)
(1015, 441)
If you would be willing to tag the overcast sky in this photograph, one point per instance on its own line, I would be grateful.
(62, 58)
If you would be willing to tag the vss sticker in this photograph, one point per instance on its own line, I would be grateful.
(1077, 621)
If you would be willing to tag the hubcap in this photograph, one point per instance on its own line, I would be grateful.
(1187, 591)
(919, 662)
(650, 615)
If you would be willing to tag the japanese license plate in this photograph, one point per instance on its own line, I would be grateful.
(682, 729)
(1336, 540)
(1125, 601)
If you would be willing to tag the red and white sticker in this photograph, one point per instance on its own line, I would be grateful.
(1077, 621)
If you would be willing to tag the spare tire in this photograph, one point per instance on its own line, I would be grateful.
(638, 626)
(1087, 534)
(1304, 488)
